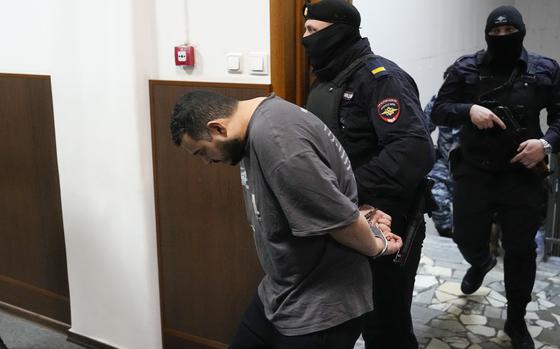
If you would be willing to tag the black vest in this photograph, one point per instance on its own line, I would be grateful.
(325, 97)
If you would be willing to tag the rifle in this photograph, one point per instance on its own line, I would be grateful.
(423, 203)
(516, 132)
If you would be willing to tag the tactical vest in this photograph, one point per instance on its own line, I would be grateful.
(325, 97)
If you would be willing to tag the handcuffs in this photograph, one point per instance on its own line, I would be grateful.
(377, 233)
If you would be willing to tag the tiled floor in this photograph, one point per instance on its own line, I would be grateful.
(445, 318)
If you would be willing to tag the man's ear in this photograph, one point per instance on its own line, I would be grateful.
(217, 128)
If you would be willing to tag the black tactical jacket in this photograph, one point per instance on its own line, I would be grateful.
(533, 86)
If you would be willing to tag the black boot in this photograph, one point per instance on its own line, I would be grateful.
(2, 345)
(474, 277)
(516, 329)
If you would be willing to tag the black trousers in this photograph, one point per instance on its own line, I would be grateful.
(389, 325)
(517, 199)
(257, 332)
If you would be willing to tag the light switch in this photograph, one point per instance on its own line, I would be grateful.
(258, 63)
(233, 61)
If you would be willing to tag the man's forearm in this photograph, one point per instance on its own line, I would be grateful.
(358, 236)
(450, 114)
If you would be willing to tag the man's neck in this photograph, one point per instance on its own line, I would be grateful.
(245, 111)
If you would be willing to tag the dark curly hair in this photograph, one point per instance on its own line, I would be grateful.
(194, 110)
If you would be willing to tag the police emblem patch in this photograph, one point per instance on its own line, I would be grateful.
(389, 110)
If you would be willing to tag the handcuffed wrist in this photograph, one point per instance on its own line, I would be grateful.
(378, 234)
(369, 216)
(382, 253)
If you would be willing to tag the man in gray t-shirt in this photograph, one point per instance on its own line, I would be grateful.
(300, 199)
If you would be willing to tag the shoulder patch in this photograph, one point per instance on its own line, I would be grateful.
(389, 110)
(376, 68)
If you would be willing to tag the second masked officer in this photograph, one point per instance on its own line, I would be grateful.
(496, 95)
(372, 106)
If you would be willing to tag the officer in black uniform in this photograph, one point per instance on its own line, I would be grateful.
(372, 106)
(499, 167)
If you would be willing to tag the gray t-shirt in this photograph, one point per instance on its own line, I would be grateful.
(299, 186)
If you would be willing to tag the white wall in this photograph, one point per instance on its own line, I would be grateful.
(215, 29)
(542, 19)
(100, 55)
(102, 62)
(24, 47)
(425, 37)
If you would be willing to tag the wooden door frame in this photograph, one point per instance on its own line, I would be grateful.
(289, 67)
(291, 74)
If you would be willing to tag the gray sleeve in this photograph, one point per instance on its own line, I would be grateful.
(310, 197)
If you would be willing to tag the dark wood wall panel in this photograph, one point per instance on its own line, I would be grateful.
(33, 273)
(208, 265)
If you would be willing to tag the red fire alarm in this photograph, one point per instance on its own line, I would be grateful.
(184, 55)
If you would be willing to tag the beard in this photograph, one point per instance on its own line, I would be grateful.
(233, 151)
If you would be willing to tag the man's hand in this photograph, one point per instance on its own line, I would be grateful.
(358, 235)
(529, 153)
(394, 243)
(483, 118)
(375, 216)
(383, 222)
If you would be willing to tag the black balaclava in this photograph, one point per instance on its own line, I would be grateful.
(505, 50)
(324, 46)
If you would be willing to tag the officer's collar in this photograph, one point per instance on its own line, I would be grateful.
(523, 60)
